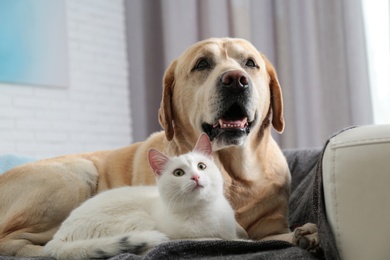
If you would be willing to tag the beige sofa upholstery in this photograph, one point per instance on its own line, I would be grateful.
(356, 179)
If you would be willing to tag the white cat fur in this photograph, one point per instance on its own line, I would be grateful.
(135, 219)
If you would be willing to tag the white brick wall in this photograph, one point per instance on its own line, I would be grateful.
(93, 112)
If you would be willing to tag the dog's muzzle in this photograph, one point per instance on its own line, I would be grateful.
(232, 121)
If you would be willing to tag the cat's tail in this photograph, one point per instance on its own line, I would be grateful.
(136, 242)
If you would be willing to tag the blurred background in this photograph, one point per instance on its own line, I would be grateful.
(85, 75)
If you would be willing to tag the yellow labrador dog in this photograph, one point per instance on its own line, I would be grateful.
(223, 87)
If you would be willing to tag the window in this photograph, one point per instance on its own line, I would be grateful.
(377, 25)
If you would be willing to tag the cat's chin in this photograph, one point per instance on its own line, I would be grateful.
(198, 188)
(194, 189)
(200, 194)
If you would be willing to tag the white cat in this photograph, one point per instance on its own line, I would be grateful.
(188, 203)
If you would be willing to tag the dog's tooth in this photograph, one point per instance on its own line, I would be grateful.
(239, 125)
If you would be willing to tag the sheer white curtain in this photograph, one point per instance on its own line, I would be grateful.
(317, 48)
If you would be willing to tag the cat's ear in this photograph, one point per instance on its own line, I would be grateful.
(203, 145)
(157, 161)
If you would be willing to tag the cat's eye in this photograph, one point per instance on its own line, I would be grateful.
(178, 172)
(201, 166)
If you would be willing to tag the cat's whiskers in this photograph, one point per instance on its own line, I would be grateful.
(174, 198)
(181, 197)
(189, 187)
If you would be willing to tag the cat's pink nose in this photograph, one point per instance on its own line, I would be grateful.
(195, 178)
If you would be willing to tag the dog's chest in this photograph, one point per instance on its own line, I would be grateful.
(239, 194)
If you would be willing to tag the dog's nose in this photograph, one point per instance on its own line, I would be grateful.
(235, 78)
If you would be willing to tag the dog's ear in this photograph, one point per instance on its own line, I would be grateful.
(276, 97)
(165, 116)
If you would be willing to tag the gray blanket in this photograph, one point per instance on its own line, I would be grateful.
(306, 205)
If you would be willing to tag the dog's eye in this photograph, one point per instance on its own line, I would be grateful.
(251, 63)
(201, 65)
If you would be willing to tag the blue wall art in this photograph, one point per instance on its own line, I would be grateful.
(33, 42)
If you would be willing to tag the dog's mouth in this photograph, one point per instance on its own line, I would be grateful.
(234, 123)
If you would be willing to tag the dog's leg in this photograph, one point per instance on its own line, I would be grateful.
(36, 198)
(26, 244)
(241, 233)
(20, 247)
(306, 237)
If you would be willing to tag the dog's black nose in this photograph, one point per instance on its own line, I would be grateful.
(235, 78)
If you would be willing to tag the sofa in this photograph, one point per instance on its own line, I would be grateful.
(356, 180)
(341, 187)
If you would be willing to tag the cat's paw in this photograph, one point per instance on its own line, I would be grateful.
(306, 237)
(155, 238)
(140, 242)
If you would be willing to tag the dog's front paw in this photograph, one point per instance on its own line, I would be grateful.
(306, 237)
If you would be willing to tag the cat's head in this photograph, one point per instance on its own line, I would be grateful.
(189, 178)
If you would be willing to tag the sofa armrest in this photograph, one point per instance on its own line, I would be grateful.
(356, 180)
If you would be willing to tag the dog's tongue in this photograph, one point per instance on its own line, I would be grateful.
(238, 124)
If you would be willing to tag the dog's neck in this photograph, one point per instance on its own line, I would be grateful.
(240, 161)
